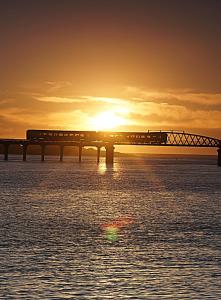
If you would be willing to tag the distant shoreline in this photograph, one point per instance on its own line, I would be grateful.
(178, 155)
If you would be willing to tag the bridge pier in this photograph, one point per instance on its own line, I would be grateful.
(80, 154)
(24, 152)
(61, 152)
(109, 154)
(98, 154)
(42, 152)
(219, 157)
(6, 146)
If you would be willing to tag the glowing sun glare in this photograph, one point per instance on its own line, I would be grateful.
(107, 120)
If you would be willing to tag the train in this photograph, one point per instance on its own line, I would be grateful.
(150, 137)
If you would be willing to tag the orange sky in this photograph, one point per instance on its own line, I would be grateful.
(136, 64)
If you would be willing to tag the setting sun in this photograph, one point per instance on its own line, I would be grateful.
(108, 120)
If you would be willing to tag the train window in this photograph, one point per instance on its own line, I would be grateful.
(82, 135)
(71, 134)
(61, 134)
(50, 134)
(65, 134)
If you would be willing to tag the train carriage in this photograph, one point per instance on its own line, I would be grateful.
(150, 138)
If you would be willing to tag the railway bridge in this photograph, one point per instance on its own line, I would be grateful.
(107, 140)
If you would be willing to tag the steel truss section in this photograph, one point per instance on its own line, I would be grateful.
(191, 140)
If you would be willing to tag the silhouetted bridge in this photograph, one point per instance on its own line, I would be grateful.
(108, 140)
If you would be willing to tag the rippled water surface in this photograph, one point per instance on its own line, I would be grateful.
(142, 229)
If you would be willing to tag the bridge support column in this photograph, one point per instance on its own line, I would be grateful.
(109, 154)
(80, 154)
(61, 152)
(42, 152)
(98, 154)
(24, 151)
(6, 146)
(219, 157)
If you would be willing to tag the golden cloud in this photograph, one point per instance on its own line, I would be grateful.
(59, 99)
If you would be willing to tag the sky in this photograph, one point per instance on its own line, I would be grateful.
(118, 65)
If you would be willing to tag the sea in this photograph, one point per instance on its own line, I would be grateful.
(144, 228)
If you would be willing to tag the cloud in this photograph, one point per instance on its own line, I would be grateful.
(81, 99)
(164, 109)
(185, 97)
(174, 109)
(15, 121)
(57, 85)
(6, 102)
(173, 116)
(118, 101)
(72, 120)
(59, 99)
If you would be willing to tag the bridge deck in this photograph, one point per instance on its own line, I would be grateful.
(170, 138)
(108, 140)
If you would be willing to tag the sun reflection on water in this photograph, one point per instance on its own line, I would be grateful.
(114, 169)
(102, 168)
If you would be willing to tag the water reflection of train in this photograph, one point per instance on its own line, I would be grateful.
(152, 137)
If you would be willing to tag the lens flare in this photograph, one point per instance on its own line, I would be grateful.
(112, 229)
(112, 233)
